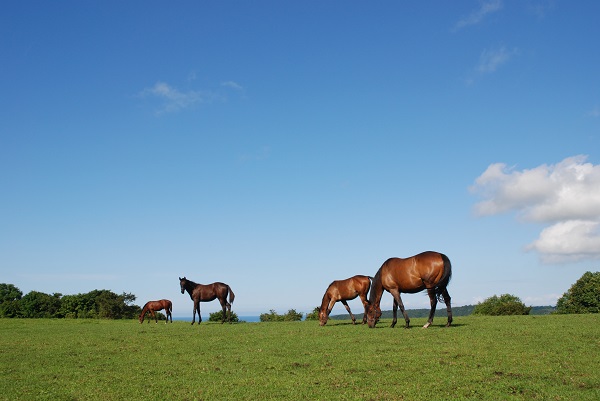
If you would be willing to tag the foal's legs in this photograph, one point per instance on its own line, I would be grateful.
(349, 311)
(398, 303)
(433, 302)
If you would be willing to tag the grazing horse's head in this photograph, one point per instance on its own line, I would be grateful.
(182, 282)
(323, 317)
(373, 315)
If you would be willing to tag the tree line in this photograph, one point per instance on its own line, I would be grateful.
(103, 304)
(582, 297)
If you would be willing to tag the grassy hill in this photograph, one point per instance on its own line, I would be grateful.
(480, 358)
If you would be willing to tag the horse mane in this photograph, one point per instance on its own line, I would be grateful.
(193, 283)
(375, 285)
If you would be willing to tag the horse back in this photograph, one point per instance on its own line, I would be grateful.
(414, 274)
(349, 288)
(210, 292)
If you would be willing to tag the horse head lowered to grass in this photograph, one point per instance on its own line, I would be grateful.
(429, 271)
(153, 306)
(345, 290)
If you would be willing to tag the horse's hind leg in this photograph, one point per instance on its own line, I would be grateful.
(366, 305)
(226, 308)
(446, 296)
(349, 311)
(433, 302)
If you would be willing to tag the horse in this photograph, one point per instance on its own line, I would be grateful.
(429, 271)
(206, 293)
(345, 290)
(153, 306)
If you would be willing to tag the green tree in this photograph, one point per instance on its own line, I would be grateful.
(9, 292)
(218, 317)
(292, 316)
(583, 296)
(37, 305)
(272, 316)
(314, 315)
(10, 297)
(505, 304)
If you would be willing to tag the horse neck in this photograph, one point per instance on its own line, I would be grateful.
(376, 289)
(324, 302)
(189, 287)
(144, 310)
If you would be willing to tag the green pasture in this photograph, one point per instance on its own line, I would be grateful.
(555, 357)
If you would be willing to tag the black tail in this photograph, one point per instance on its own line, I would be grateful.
(370, 284)
(441, 286)
(231, 295)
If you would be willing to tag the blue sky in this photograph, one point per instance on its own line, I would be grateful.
(277, 146)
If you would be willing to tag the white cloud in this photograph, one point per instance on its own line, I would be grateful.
(487, 8)
(569, 241)
(232, 85)
(172, 99)
(490, 60)
(175, 100)
(565, 195)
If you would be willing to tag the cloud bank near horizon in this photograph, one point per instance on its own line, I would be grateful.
(564, 196)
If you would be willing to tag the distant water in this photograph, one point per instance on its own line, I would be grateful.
(249, 319)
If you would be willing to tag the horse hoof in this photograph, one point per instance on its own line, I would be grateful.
(426, 325)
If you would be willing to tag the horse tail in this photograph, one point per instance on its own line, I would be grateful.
(369, 289)
(231, 295)
(445, 280)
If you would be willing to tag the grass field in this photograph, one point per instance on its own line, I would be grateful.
(552, 357)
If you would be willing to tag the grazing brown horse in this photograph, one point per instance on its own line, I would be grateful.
(345, 290)
(429, 271)
(153, 306)
(206, 293)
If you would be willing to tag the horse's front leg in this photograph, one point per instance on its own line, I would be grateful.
(398, 303)
(349, 311)
(154, 316)
(394, 313)
(196, 307)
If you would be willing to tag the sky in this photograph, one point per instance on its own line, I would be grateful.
(277, 146)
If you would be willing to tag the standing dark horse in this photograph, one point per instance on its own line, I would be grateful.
(206, 293)
(345, 290)
(429, 271)
(153, 306)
